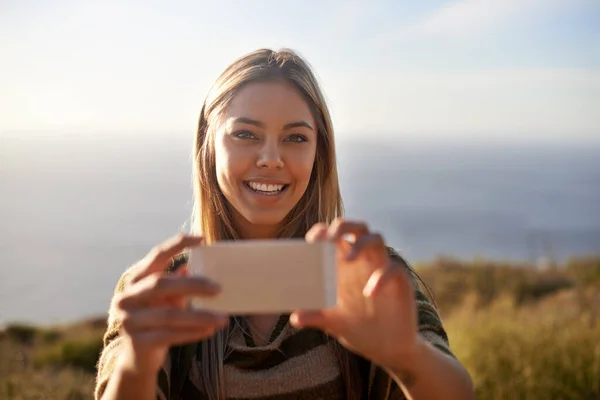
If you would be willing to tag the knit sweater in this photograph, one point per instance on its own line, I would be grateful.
(295, 363)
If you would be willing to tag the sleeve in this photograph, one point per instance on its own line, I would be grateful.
(429, 320)
(381, 385)
(113, 343)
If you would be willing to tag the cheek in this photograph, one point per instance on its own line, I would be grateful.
(301, 164)
(221, 161)
(227, 165)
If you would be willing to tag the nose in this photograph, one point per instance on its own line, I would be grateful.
(269, 156)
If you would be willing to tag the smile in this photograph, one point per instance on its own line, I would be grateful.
(265, 188)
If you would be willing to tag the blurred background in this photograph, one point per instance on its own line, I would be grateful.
(468, 133)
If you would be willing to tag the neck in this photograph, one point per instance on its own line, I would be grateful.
(256, 232)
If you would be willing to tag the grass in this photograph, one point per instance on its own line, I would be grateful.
(529, 352)
(521, 333)
(49, 363)
(81, 353)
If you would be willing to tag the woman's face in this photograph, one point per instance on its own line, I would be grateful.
(265, 146)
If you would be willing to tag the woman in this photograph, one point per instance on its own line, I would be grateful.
(264, 167)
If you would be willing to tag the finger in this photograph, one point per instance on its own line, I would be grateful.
(158, 258)
(340, 228)
(373, 243)
(392, 278)
(316, 233)
(171, 318)
(156, 287)
(179, 301)
(328, 321)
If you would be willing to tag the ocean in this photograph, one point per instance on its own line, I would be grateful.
(76, 211)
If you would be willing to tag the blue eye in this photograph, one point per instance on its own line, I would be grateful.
(296, 138)
(244, 135)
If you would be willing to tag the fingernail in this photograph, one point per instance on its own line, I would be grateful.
(294, 320)
(370, 287)
(349, 238)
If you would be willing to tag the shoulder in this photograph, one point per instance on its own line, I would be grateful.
(126, 277)
(396, 257)
(430, 322)
(133, 270)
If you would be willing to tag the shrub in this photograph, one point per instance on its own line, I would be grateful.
(79, 353)
(540, 286)
(21, 333)
(83, 354)
(50, 336)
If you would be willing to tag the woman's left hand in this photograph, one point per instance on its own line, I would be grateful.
(375, 315)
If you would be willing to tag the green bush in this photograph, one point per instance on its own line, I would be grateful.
(50, 336)
(80, 353)
(83, 354)
(540, 286)
(22, 333)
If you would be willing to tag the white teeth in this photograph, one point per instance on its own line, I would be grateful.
(264, 187)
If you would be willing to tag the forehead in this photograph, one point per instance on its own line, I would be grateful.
(277, 102)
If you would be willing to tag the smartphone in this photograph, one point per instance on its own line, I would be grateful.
(267, 276)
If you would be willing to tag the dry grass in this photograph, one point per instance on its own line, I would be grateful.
(541, 351)
(49, 363)
(523, 333)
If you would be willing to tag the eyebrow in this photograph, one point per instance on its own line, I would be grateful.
(250, 121)
(298, 124)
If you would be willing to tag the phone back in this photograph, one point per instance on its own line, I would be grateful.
(267, 276)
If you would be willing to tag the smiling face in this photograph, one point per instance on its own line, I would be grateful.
(265, 146)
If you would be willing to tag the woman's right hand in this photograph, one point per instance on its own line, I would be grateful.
(154, 312)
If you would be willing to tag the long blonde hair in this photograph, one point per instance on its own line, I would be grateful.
(212, 215)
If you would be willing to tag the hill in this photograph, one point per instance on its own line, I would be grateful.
(521, 331)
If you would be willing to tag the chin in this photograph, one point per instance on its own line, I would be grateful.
(265, 220)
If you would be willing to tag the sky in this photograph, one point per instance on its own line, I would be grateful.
(470, 69)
